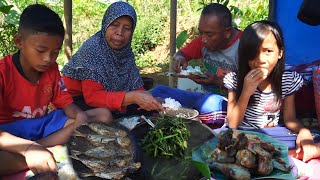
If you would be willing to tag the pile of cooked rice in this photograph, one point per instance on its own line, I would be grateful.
(190, 70)
(171, 103)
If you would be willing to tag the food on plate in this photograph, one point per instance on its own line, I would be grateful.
(171, 104)
(233, 171)
(168, 139)
(239, 156)
(191, 71)
(101, 150)
(103, 129)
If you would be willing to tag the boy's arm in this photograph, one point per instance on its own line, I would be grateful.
(38, 158)
(74, 112)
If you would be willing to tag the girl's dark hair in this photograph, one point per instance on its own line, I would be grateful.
(219, 10)
(250, 42)
(39, 18)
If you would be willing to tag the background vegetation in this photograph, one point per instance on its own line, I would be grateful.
(151, 38)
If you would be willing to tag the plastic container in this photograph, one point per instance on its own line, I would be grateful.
(189, 85)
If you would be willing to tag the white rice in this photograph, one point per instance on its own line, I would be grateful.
(171, 103)
(190, 70)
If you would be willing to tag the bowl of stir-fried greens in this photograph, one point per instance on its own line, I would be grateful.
(167, 148)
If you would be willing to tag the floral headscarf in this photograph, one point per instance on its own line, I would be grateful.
(96, 60)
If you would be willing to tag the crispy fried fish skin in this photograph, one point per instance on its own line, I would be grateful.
(110, 175)
(95, 139)
(98, 152)
(265, 166)
(225, 140)
(233, 171)
(123, 141)
(103, 129)
(93, 164)
(246, 158)
(115, 175)
(221, 156)
(280, 164)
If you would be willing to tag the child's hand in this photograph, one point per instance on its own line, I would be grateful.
(39, 159)
(81, 118)
(253, 79)
(305, 142)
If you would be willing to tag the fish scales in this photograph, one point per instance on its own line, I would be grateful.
(106, 151)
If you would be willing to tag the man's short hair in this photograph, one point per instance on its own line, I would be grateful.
(39, 18)
(219, 10)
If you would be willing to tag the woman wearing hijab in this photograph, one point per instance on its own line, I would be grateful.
(103, 73)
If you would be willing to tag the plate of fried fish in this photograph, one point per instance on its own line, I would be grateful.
(236, 154)
(105, 151)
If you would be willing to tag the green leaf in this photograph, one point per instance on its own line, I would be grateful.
(12, 18)
(203, 168)
(5, 9)
(181, 39)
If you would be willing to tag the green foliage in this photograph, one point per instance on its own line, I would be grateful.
(148, 34)
(152, 27)
(8, 27)
(182, 37)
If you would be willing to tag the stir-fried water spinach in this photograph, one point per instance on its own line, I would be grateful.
(168, 139)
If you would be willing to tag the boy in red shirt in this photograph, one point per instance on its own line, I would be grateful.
(29, 81)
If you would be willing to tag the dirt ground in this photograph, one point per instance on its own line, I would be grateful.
(157, 74)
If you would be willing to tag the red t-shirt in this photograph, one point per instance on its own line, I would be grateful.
(20, 99)
(194, 49)
(95, 94)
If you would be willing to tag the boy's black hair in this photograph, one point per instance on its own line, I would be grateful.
(39, 18)
(219, 10)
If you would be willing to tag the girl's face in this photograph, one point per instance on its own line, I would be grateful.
(268, 55)
(119, 32)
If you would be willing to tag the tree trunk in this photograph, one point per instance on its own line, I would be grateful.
(68, 24)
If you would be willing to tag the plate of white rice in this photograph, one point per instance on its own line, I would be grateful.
(174, 108)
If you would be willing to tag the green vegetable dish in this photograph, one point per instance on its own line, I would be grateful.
(168, 139)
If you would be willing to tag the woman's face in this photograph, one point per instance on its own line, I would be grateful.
(119, 32)
(268, 54)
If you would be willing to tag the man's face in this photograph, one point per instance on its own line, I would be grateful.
(214, 35)
(38, 51)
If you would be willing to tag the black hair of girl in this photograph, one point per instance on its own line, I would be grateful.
(250, 42)
(37, 18)
(219, 10)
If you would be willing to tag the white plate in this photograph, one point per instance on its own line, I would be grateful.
(181, 112)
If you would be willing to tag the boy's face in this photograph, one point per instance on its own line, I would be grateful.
(38, 51)
(214, 36)
(119, 32)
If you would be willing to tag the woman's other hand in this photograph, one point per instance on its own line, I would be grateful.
(39, 159)
(146, 101)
